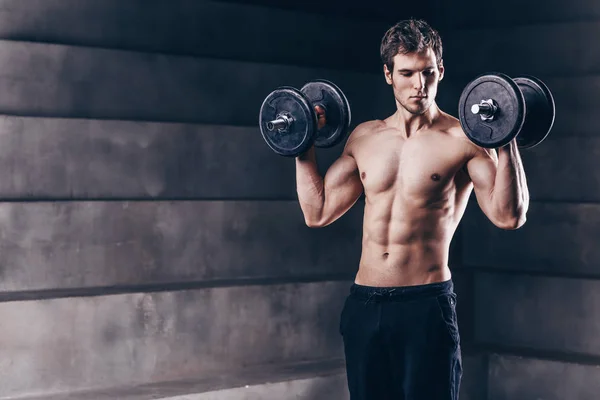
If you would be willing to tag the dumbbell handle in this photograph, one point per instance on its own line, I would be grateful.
(283, 121)
(486, 109)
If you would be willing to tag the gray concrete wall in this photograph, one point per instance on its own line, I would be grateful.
(148, 234)
(535, 297)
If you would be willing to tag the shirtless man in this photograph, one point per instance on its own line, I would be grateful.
(417, 169)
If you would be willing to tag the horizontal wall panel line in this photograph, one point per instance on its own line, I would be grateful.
(246, 376)
(296, 63)
(465, 77)
(39, 199)
(543, 201)
(174, 121)
(386, 11)
(544, 77)
(554, 135)
(140, 199)
(560, 201)
(159, 120)
(166, 120)
(525, 352)
(47, 294)
(152, 200)
(507, 25)
(531, 273)
(200, 57)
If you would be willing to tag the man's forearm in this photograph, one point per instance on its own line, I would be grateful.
(310, 186)
(510, 197)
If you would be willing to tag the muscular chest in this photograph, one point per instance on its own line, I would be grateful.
(415, 167)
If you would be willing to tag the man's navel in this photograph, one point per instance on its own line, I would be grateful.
(436, 177)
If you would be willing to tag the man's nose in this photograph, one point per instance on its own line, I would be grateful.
(419, 81)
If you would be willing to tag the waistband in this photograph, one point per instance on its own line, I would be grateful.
(401, 293)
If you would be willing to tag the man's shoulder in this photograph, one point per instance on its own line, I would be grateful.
(450, 125)
(452, 128)
(362, 130)
(365, 128)
(369, 126)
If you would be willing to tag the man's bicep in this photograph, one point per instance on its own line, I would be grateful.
(482, 171)
(343, 175)
(343, 188)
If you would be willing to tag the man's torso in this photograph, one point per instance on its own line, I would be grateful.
(416, 191)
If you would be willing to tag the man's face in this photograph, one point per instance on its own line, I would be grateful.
(415, 80)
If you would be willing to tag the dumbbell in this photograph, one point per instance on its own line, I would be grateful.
(494, 109)
(292, 120)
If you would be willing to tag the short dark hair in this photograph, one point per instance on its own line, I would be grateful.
(410, 36)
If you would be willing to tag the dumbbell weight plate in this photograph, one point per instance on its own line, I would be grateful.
(337, 111)
(509, 116)
(540, 111)
(300, 134)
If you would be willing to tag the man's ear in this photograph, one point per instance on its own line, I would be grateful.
(441, 69)
(388, 74)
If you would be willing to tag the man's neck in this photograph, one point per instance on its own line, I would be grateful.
(411, 124)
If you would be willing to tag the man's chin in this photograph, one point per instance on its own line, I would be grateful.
(417, 110)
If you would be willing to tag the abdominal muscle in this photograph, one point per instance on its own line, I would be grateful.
(405, 248)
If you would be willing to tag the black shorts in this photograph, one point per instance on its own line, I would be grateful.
(402, 343)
